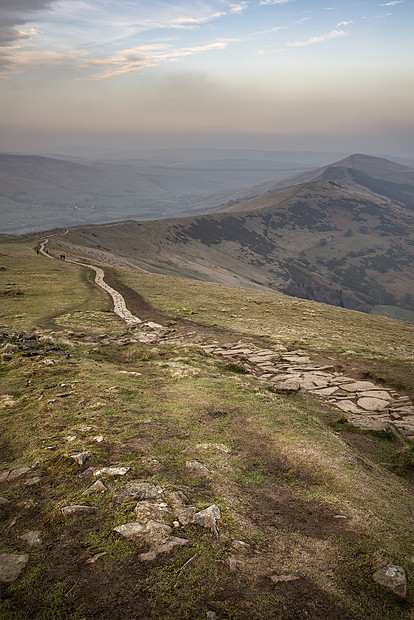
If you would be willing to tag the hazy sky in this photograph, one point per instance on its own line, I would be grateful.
(80, 75)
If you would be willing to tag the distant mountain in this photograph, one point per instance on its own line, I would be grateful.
(373, 175)
(48, 192)
(343, 245)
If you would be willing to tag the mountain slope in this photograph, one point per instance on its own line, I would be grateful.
(316, 241)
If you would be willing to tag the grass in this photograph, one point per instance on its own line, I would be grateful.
(281, 471)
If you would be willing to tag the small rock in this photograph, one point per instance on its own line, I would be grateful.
(76, 509)
(208, 518)
(98, 438)
(16, 473)
(86, 473)
(131, 530)
(71, 438)
(393, 577)
(235, 565)
(185, 516)
(28, 504)
(32, 538)
(164, 549)
(283, 578)
(96, 557)
(96, 488)
(176, 524)
(4, 475)
(33, 481)
(137, 491)
(81, 457)
(11, 566)
(3, 501)
(112, 471)
(211, 615)
(197, 467)
(146, 511)
(48, 362)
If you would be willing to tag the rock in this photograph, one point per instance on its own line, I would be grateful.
(325, 391)
(376, 394)
(235, 565)
(358, 386)
(185, 516)
(112, 471)
(208, 518)
(348, 406)
(136, 491)
(32, 481)
(81, 457)
(78, 510)
(393, 577)
(285, 387)
(164, 549)
(32, 538)
(372, 404)
(283, 578)
(3, 501)
(146, 511)
(11, 566)
(98, 438)
(131, 530)
(96, 488)
(16, 473)
(197, 467)
(4, 475)
(96, 557)
(178, 499)
(211, 615)
(86, 473)
(152, 530)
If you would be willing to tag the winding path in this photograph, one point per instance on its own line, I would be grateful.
(364, 404)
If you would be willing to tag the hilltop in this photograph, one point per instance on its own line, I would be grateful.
(336, 242)
(107, 425)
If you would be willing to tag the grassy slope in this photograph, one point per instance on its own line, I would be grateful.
(280, 472)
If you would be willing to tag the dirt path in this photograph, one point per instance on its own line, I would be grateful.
(362, 403)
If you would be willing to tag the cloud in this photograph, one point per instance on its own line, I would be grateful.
(125, 61)
(268, 2)
(238, 8)
(333, 34)
(16, 13)
(303, 19)
(344, 23)
(392, 3)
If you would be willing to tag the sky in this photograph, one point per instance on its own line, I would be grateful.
(86, 76)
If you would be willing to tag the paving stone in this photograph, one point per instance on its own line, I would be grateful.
(11, 566)
(328, 391)
(381, 394)
(348, 406)
(372, 404)
(358, 386)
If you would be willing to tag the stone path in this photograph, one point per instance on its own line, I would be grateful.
(363, 403)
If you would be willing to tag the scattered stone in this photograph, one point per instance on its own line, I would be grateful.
(155, 531)
(131, 530)
(197, 467)
(393, 577)
(3, 501)
(11, 566)
(208, 518)
(32, 538)
(151, 462)
(178, 499)
(136, 491)
(185, 516)
(77, 509)
(71, 438)
(86, 473)
(96, 557)
(112, 471)
(32, 481)
(164, 549)
(16, 473)
(28, 504)
(48, 362)
(283, 578)
(81, 457)
(98, 438)
(235, 565)
(211, 615)
(4, 475)
(148, 511)
(96, 488)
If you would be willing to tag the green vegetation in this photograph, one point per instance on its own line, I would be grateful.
(299, 491)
